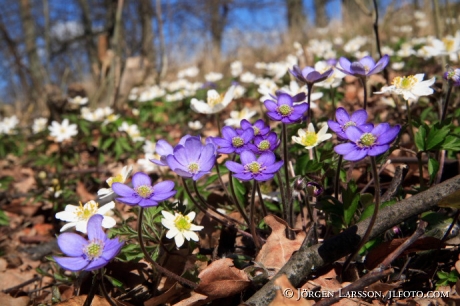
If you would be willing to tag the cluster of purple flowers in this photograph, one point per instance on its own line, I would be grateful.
(248, 141)
(363, 138)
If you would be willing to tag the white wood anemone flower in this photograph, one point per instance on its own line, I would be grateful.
(237, 116)
(62, 131)
(309, 138)
(78, 216)
(411, 87)
(119, 178)
(180, 227)
(215, 102)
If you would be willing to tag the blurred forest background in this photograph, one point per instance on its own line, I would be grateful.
(51, 49)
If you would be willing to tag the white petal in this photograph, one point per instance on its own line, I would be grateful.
(68, 225)
(167, 215)
(196, 227)
(108, 222)
(66, 216)
(311, 128)
(191, 215)
(168, 223)
(173, 232)
(191, 235)
(82, 226)
(106, 209)
(179, 239)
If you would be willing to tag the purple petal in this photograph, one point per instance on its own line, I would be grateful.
(366, 128)
(173, 164)
(353, 133)
(71, 263)
(234, 167)
(184, 139)
(381, 64)
(275, 167)
(301, 108)
(199, 174)
(182, 172)
(381, 129)
(359, 117)
(247, 157)
(345, 64)
(367, 62)
(358, 69)
(307, 71)
(378, 149)
(247, 135)
(345, 148)
(164, 186)
(356, 155)
(389, 136)
(228, 132)
(315, 76)
(95, 230)
(221, 142)
(341, 115)
(111, 248)
(300, 97)
(284, 99)
(163, 147)
(270, 105)
(141, 179)
(193, 149)
(266, 159)
(226, 150)
(96, 264)
(262, 177)
(147, 203)
(158, 197)
(158, 162)
(122, 190)
(207, 158)
(131, 200)
(274, 116)
(243, 176)
(71, 244)
(181, 155)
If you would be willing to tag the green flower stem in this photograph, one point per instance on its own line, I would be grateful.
(216, 115)
(205, 204)
(310, 214)
(221, 181)
(363, 82)
(252, 216)
(154, 264)
(262, 203)
(283, 197)
(366, 235)
(419, 153)
(286, 176)
(104, 290)
(332, 96)
(446, 101)
(337, 177)
(234, 197)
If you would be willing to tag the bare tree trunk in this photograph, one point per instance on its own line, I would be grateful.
(46, 16)
(218, 12)
(321, 19)
(37, 71)
(147, 46)
(296, 18)
(90, 44)
(116, 67)
(163, 67)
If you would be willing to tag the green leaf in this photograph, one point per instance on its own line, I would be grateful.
(240, 191)
(451, 143)
(433, 166)
(115, 282)
(368, 211)
(420, 138)
(350, 198)
(4, 221)
(436, 137)
(107, 143)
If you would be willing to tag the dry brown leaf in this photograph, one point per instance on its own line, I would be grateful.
(278, 248)
(196, 299)
(83, 194)
(457, 265)
(286, 289)
(173, 293)
(8, 300)
(80, 300)
(221, 279)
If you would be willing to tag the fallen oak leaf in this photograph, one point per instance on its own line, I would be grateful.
(221, 279)
(278, 248)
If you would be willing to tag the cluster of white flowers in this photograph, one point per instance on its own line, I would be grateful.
(62, 131)
(78, 101)
(145, 164)
(215, 102)
(105, 114)
(39, 125)
(132, 130)
(8, 125)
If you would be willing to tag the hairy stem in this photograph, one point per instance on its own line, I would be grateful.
(154, 264)
(252, 216)
(337, 178)
(290, 212)
(363, 82)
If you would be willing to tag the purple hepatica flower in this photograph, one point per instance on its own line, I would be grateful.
(344, 121)
(264, 143)
(452, 75)
(163, 148)
(260, 169)
(143, 193)
(259, 127)
(193, 159)
(284, 109)
(309, 75)
(364, 67)
(371, 143)
(91, 254)
(232, 141)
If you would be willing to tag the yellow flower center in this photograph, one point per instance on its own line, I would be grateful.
(448, 44)
(264, 145)
(348, 124)
(94, 249)
(182, 223)
(213, 100)
(144, 191)
(87, 211)
(285, 110)
(254, 167)
(367, 139)
(405, 82)
(309, 139)
(237, 141)
(256, 130)
(193, 167)
(115, 179)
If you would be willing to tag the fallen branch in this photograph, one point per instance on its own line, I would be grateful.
(308, 258)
